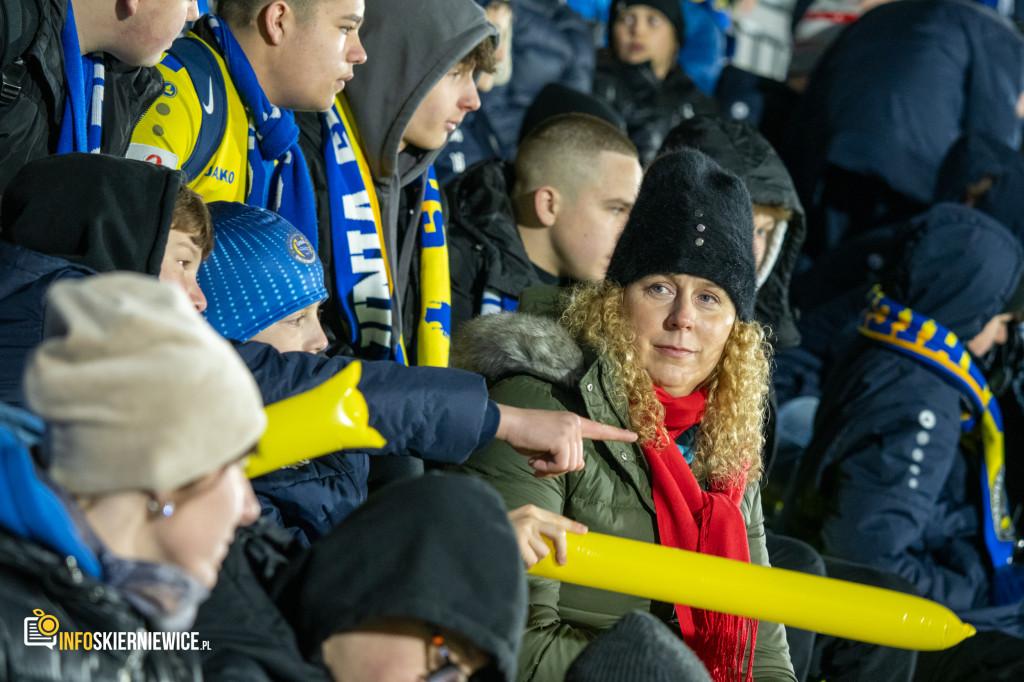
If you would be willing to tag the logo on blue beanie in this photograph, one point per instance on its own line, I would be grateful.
(300, 248)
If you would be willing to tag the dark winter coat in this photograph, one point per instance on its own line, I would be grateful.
(739, 148)
(899, 87)
(551, 43)
(484, 246)
(532, 362)
(885, 480)
(35, 574)
(432, 413)
(651, 107)
(69, 216)
(30, 121)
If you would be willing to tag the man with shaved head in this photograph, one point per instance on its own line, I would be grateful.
(552, 217)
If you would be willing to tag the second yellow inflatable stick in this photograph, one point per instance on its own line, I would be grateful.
(333, 416)
(826, 605)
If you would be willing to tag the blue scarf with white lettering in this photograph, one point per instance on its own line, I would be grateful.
(364, 282)
(280, 179)
(896, 326)
(81, 128)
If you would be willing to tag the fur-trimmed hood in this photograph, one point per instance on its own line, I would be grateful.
(506, 344)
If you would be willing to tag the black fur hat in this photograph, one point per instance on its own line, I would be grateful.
(691, 217)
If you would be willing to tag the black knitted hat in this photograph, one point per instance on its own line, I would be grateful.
(670, 8)
(691, 217)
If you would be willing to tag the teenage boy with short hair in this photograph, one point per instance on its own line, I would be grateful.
(554, 216)
(70, 75)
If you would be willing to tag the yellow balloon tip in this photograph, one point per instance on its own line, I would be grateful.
(969, 631)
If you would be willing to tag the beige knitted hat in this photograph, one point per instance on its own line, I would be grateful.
(138, 391)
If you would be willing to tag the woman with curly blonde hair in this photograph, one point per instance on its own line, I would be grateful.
(667, 347)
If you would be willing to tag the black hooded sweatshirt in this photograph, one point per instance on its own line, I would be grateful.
(68, 216)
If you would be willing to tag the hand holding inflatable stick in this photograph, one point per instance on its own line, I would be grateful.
(826, 605)
(331, 417)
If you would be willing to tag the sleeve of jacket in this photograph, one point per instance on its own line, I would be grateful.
(771, 652)
(549, 645)
(889, 488)
(430, 412)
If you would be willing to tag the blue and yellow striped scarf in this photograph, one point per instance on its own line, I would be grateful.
(362, 275)
(893, 324)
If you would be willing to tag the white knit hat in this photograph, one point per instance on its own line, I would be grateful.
(138, 391)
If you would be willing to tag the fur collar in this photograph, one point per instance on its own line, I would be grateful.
(506, 344)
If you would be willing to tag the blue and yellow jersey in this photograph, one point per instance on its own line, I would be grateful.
(188, 119)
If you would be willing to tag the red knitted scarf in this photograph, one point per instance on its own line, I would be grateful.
(706, 522)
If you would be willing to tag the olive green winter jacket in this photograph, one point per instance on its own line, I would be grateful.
(530, 361)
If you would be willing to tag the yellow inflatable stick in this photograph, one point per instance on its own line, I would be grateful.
(331, 417)
(826, 605)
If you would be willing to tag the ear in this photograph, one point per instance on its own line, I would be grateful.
(275, 20)
(127, 8)
(547, 202)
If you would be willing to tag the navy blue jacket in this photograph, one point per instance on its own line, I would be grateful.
(433, 413)
(885, 481)
(899, 86)
(26, 276)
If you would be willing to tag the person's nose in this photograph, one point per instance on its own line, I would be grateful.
(317, 341)
(1002, 334)
(250, 505)
(196, 295)
(193, 11)
(355, 53)
(470, 100)
(681, 316)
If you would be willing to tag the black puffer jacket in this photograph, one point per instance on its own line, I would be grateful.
(484, 246)
(651, 107)
(30, 120)
(740, 148)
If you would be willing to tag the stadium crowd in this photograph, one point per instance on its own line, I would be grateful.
(738, 277)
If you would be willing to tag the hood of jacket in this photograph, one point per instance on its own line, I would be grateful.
(94, 210)
(740, 148)
(976, 157)
(443, 553)
(503, 345)
(959, 266)
(411, 46)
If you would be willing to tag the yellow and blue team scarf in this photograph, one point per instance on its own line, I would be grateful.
(82, 125)
(362, 275)
(895, 325)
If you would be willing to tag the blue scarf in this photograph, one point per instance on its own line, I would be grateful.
(896, 326)
(81, 129)
(280, 179)
(362, 273)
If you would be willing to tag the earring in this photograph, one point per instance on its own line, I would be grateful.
(155, 508)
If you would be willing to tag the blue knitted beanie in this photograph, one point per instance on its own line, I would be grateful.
(262, 270)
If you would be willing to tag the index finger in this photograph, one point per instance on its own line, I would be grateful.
(598, 431)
